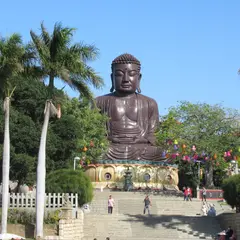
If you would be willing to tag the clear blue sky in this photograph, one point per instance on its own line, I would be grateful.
(189, 50)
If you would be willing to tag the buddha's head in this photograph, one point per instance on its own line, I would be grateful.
(126, 74)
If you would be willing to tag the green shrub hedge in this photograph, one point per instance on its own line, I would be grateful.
(231, 191)
(28, 216)
(70, 181)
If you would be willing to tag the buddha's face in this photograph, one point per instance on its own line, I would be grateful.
(125, 77)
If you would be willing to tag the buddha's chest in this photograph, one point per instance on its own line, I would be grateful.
(124, 109)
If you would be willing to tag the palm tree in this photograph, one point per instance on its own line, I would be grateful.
(58, 58)
(11, 65)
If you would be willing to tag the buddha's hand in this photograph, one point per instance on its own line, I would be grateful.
(140, 140)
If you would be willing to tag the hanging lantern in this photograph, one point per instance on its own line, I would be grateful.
(195, 157)
(85, 149)
(175, 142)
(163, 154)
(184, 146)
(215, 156)
(175, 147)
(194, 148)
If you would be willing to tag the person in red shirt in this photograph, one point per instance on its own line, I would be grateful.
(185, 194)
(188, 193)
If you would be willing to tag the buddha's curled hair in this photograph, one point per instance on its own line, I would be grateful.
(125, 59)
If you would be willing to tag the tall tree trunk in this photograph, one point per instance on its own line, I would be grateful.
(51, 85)
(41, 174)
(209, 175)
(5, 166)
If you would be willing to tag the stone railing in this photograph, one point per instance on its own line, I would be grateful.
(53, 200)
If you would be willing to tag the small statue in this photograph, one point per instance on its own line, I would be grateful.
(133, 117)
(66, 202)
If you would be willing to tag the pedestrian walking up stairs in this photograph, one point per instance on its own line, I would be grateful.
(171, 218)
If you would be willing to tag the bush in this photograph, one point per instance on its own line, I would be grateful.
(28, 216)
(231, 191)
(70, 181)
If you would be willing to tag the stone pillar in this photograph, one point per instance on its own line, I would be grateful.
(66, 213)
(71, 227)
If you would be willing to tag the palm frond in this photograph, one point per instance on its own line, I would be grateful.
(82, 70)
(89, 75)
(14, 39)
(64, 74)
(11, 60)
(77, 84)
(45, 35)
(59, 58)
(35, 72)
(61, 38)
(84, 52)
(41, 49)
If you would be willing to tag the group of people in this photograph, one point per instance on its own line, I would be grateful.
(147, 204)
(187, 191)
(208, 210)
(227, 234)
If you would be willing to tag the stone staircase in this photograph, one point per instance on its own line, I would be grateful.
(170, 218)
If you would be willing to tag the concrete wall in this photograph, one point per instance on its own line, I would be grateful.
(230, 219)
(28, 230)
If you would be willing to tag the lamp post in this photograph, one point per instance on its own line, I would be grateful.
(198, 178)
(235, 166)
(74, 163)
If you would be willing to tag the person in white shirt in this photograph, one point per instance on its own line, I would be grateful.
(110, 204)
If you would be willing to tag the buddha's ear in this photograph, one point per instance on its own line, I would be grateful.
(112, 88)
(139, 79)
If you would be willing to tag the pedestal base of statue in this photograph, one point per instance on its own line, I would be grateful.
(145, 174)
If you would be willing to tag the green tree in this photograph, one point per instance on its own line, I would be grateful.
(79, 126)
(231, 191)
(25, 166)
(12, 54)
(89, 128)
(58, 58)
(211, 128)
(70, 181)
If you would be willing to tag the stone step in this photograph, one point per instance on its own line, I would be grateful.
(145, 238)
(172, 218)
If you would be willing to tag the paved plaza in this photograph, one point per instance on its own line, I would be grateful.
(171, 218)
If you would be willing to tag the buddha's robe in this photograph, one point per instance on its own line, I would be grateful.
(132, 122)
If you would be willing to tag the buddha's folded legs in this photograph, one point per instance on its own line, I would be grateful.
(134, 152)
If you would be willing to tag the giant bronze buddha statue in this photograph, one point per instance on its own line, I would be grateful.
(133, 117)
